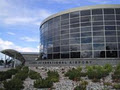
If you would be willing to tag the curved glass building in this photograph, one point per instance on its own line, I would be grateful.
(85, 33)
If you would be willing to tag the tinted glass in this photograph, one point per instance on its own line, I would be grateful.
(65, 42)
(74, 30)
(110, 33)
(86, 12)
(75, 41)
(74, 25)
(74, 14)
(75, 54)
(117, 17)
(85, 34)
(96, 11)
(86, 46)
(65, 16)
(98, 33)
(65, 22)
(64, 48)
(99, 54)
(86, 24)
(110, 39)
(110, 28)
(85, 19)
(86, 54)
(98, 46)
(74, 47)
(98, 39)
(97, 23)
(86, 29)
(117, 10)
(108, 11)
(65, 55)
(98, 28)
(74, 20)
(109, 17)
(97, 18)
(86, 40)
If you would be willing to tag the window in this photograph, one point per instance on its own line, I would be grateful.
(86, 54)
(86, 40)
(110, 39)
(85, 29)
(49, 56)
(111, 46)
(99, 54)
(118, 22)
(109, 17)
(86, 34)
(74, 20)
(86, 12)
(64, 22)
(97, 18)
(65, 36)
(56, 49)
(97, 23)
(108, 11)
(64, 48)
(110, 23)
(65, 27)
(74, 35)
(75, 54)
(98, 33)
(117, 17)
(110, 33)
(64, 55)
(86, 46)
(74, 47)
(98, 28)
(56, 56)
(74, 14)
(117, 10)
(98, 46)
(98, 39)
(74, 25)
(64, 31)
(110, 28)
(74, 30)
(65, 16)
(86, 19)
(86, 24)
(75, 41)
(96, 11)
(65, 42)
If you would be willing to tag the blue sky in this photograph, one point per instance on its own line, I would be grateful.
(20, 20)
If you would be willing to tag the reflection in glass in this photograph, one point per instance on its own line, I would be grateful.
(74, 14)
(75, 41)
(98, 47)
(74, 47)
(96, 11)
(86, 54)
(97, 18)
(75, 54)
(85, 29)
(98, 39)
(111, 46)
(86, 34)
(110, 39)
(85, 12)
(86, 40)
(86, 46)
(99, 54)
(108, 11)
(74, 20)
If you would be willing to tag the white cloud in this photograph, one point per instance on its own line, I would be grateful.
(10, 45)
(12, 14)
(99, 1)
(29, 39)
(10, 33)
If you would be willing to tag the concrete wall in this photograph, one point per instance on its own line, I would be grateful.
(72, 62)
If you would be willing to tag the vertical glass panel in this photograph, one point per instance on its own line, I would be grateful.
(98, 33)
(64, 31)
(75, 41)
(111, 54)
(64, 55)
(86, 46)
(56, 56)
(98, 39)
(86, 40)
(96, 11)
(86, 54)
(74, 14)
(85, 29)
(86, 24)
(117, 10)
(110, 39)
(111, 46)
(109, 22)
(97, 23)
(110, 28)
(110, 33)
(98, 46)
(99, 54)
(64, 48)
(49, 56)
(86, 34)
(108, 11)
(109, 17)
(117, 17)
(97, 18)
(86, 12)
(65, 36)
(74, 25)
(75, 35)
(65, 16)
(65, 42)
(65, 22)
(86, 19)
(98, 28)
(75, 54)
(74, 47)
(65, 27)
(74, 30)
(56, 49)
(74, 20)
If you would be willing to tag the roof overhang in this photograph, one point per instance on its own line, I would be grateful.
(14, 54)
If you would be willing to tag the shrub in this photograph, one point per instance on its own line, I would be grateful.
(116, 86)
(14, 84)
(43, 83)
(53, 76)
(34, 75)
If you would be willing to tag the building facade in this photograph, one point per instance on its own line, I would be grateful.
(91, 32)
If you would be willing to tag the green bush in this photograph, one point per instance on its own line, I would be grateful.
(53, 76)
(14, 84)
(34, 75)
(116, 86)
(43, 83)
(74, 74)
